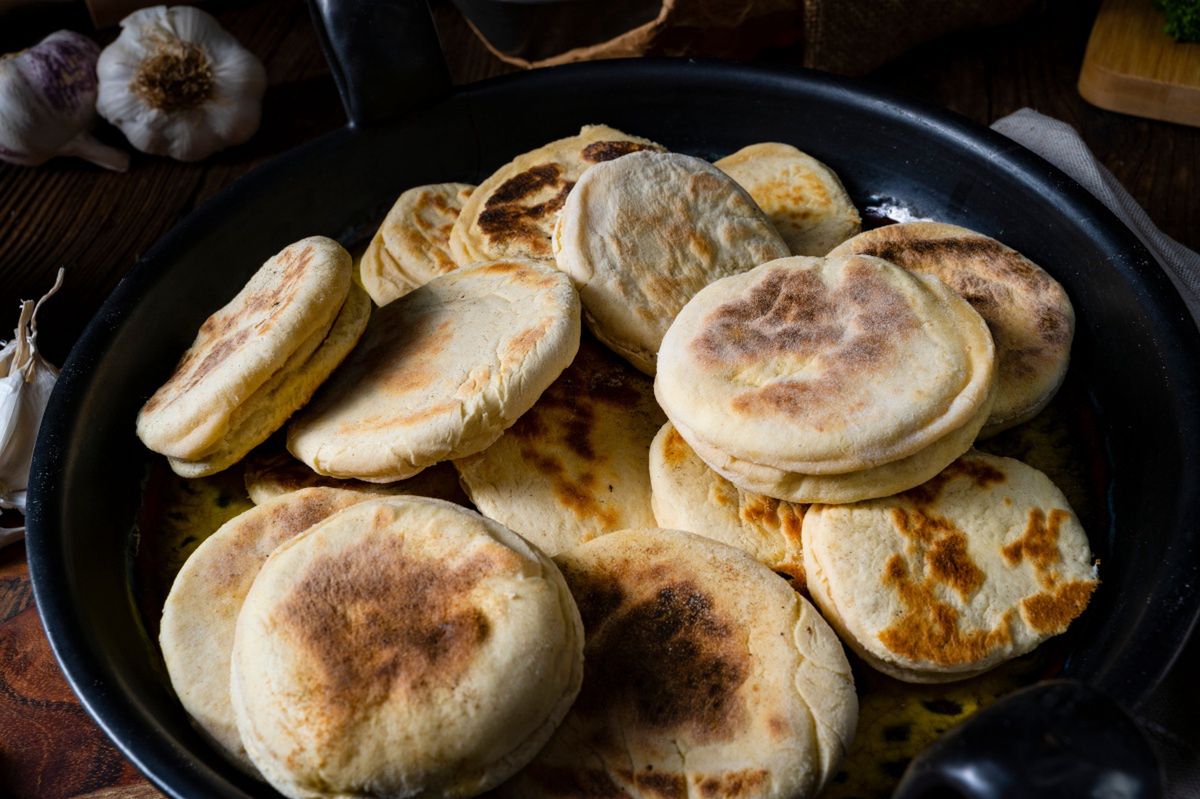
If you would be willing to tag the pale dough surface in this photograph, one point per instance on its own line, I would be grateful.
(642, 234)
(803, 197)
(403, 647)
(977, 566)
(707, 675)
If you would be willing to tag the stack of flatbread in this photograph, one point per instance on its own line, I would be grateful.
(769, 404)
(827, 379)
(1027, 312)
(315, 637)
(257, 360)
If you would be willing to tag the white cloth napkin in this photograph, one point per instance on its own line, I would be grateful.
(1171, 718)
(1058, 143)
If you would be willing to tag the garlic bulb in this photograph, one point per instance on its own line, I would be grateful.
(26, 381)
(176, 83)
(48, 103)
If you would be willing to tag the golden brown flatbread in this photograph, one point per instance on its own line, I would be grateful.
(640, 235)
(706, 675)
(824, 365)
(803, 198)
(271, 474)
(403, 647)
(412, 246)
(288, 303)
(574, 466)
(512, 213)
(977, 566)
(1029, 314)
(442, 372)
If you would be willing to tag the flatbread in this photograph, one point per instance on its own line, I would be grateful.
(512, 213)
(201, 610)
(802, 197)
(412, 246)
(642, 234)
(272, 474)
(404, 647)
(286, 392)
(1028, 312)
(574, 466)
(977, 566)
(870, 483)
(441, 372)
(707, 675)
(293, 298)
(824, 366)
(688, 495)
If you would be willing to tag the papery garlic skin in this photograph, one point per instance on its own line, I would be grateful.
(176, 83)
(26, 380)
(48, 103)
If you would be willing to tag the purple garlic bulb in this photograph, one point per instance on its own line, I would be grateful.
(48, 103)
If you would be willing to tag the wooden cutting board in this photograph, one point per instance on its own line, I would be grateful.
(1133, 67)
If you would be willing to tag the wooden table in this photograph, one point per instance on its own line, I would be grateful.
(96, 224)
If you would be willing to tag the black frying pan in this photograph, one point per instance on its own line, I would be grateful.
(1136, 354)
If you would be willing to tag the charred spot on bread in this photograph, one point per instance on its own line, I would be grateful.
(374, 617)
(672, 658)
(599, 151)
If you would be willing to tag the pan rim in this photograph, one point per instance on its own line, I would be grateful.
(167, 766)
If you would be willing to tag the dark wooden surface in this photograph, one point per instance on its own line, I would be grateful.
(96, 224)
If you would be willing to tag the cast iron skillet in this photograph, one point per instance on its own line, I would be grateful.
(1136, 354)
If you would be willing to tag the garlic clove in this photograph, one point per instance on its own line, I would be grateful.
(190, 137)
(123, 104)
(47, 103)
(26, 380)
(193, 25)
(238, 71)
(178, 84)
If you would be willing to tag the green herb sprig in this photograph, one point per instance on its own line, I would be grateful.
(1183, 19)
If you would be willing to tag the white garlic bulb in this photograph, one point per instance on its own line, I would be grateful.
(176, 83)
(48, 103)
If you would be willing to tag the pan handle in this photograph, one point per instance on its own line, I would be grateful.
(385, 55)
(1054, 740)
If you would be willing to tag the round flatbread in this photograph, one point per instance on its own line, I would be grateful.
(824, 365)
(412, 246)
(291, 300)
(802, 197)
(870, 483)
(707, 675)
(977, 566)
(642, 234)
(688, 495)
(441, 372)
(404, 647)
(272, 474)
(201, 610)
(287, 391)
(574, 466)
(511, 214)
(1029, 314)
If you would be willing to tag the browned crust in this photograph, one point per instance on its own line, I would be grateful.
(376, 619)
(226, 332)
(793, 312)
(669, 658)
(928, 629)
(560, 428)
